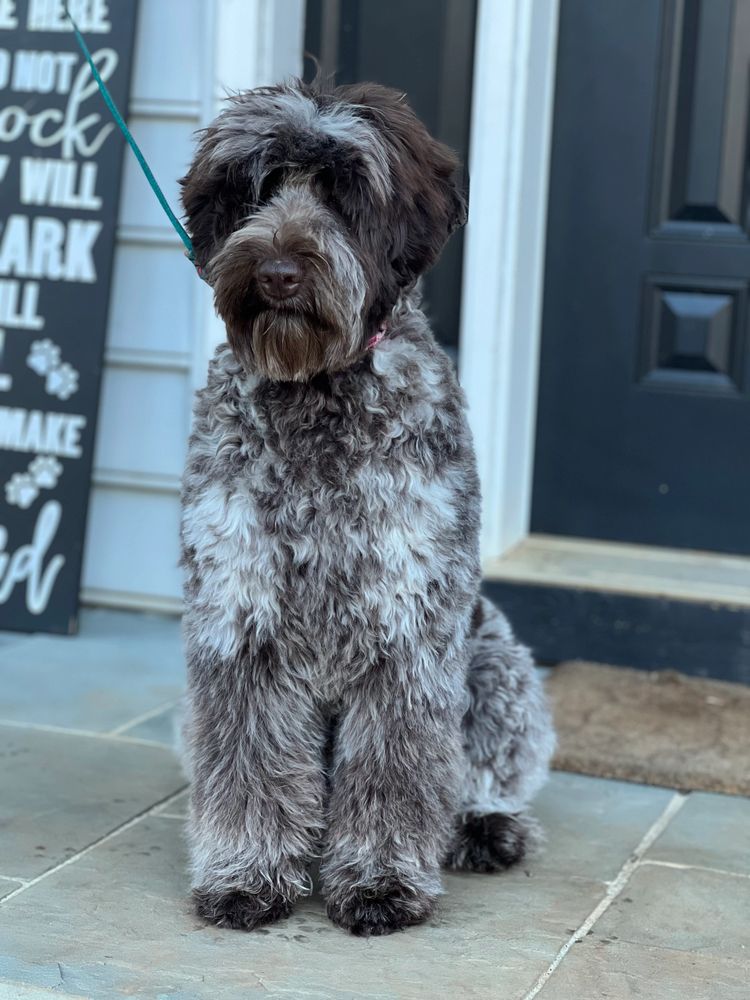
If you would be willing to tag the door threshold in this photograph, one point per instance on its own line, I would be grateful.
(621, 568)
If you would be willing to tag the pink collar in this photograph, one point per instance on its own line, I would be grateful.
(377, 336)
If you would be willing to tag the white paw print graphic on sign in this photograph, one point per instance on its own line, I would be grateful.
(21, 490)
(62, 381)
(60, 378)
(44, 356)
(45, 470)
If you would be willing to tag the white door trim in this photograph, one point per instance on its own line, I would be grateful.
(511, 128)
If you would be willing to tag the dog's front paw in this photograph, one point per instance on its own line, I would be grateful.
(381, 909)
(239, 909)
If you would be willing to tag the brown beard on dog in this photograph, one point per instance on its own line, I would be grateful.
(286, 345)
(288, 342)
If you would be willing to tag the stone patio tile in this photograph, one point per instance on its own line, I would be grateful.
(8, 885)
(118, 922)
(9, 638)
(159, 728)
(20, 991)
(97, 623)
(616, 970)
(683, 909)
(119, 666)
(709, 830)
(177, 808)
(592, 825)
(62, 792)
(670, 935)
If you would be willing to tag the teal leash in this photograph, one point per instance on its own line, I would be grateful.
(176, 225)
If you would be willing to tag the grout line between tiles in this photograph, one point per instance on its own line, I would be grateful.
(43, 727)
(614, 888)
(13, 878)
(693, 868)
(143, 717)
(97, 843)
(171, 816)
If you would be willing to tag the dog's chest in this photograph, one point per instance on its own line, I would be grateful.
(350, 514)
(325, 529)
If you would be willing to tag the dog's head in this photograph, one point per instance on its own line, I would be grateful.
(311, 212)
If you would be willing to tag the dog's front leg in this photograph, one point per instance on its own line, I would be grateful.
(393, 799)
(254, 743)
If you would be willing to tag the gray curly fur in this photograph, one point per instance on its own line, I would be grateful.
(350, 695)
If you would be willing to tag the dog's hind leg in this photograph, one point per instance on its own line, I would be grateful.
(508, 741)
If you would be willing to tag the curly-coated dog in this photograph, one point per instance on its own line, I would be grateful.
(351, 696)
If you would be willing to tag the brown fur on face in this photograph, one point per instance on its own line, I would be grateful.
(346, 183)
(287, 342)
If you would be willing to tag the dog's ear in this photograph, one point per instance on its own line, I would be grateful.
(213, 200)
(427, 204)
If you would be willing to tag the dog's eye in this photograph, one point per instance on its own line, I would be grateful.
(328, 188)
(326, 179)
(271, 183)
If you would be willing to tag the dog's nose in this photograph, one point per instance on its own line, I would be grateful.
(279, 278)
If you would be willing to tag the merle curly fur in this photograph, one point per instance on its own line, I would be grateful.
(351, 696)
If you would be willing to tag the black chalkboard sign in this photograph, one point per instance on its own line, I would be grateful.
(60, 165)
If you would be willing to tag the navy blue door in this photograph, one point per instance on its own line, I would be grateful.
(644, 403)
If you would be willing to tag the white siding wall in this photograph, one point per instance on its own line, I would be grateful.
(161, 325)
